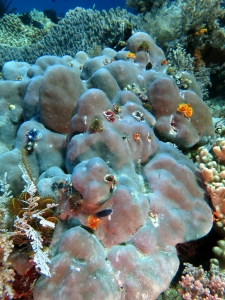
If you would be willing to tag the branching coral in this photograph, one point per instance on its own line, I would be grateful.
(199, 284)
(164, 23)
(219, 252)
(180, 61)
(14, 33)
(143, 6)
(196, 14)
(212, 165)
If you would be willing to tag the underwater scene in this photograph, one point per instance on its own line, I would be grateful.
(112, 150)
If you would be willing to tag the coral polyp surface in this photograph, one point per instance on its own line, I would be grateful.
(129, 195)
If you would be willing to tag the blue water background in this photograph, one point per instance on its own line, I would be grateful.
(62, 6)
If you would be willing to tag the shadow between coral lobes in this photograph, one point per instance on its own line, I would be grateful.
(196, 252)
